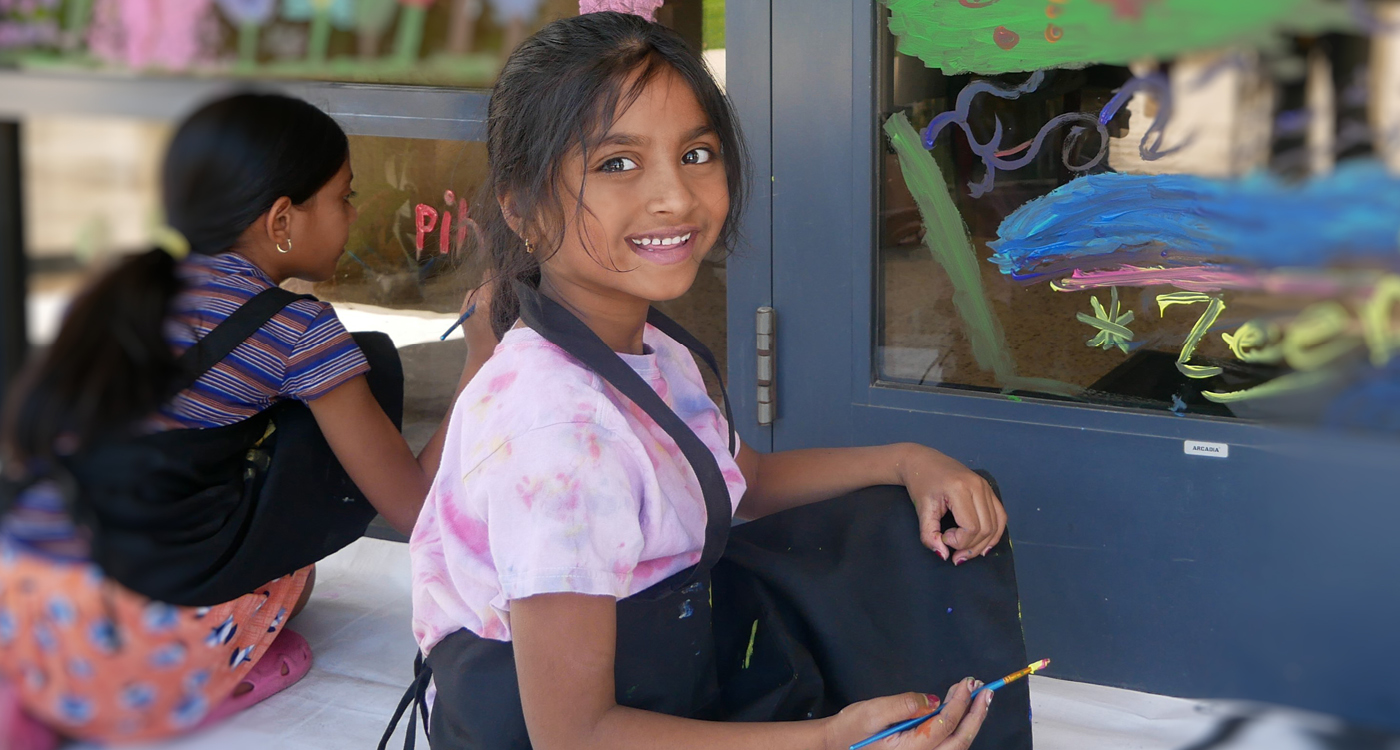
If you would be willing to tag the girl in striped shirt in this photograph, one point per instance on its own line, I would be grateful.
(259, 186)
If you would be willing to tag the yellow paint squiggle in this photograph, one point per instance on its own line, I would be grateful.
(1316, 337)
(1256, 342)
(1214, 307)
(1376, 318)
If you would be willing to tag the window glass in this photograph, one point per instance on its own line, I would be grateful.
(427, 42)
(1087, 202)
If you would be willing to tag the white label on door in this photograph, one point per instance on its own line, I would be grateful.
(1214, 450)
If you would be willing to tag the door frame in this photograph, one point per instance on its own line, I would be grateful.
(749, 269)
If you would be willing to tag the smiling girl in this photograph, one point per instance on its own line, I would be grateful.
(563, 556)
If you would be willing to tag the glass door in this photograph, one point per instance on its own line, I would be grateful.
(1140, 268)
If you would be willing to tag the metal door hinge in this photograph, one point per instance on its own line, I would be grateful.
(767, 349)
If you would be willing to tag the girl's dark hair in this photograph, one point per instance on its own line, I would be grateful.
(111, 364)
(560, 91)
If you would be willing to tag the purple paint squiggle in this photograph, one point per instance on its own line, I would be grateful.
(1157, 84)
(991, 152)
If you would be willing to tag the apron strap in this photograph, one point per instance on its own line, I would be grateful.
(416, 697)
(671, 328)
(226, 336)
(560, 327)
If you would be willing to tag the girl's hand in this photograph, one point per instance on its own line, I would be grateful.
(481, 340)
(939, 484)
(954, 729)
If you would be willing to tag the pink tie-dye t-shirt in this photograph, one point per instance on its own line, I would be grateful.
(552, 482)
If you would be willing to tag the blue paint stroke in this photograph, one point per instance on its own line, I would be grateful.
(1258, 221)
(989, 150)
(1178, 406)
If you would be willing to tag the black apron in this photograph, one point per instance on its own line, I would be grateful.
(789, 617)
(199, 517)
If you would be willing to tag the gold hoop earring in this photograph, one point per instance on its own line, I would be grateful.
(289, 247)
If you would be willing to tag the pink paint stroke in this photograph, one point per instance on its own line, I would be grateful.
(644, 8)
(1199, 279)
(1016, 150)
(141, 34)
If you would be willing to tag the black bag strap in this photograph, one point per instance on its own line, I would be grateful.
(226, 336)
(190, 365)
(560, 327)
(415, 703)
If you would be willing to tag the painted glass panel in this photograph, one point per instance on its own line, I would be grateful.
(1178, 205)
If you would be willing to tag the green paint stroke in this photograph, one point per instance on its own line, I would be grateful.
(77, 16)
(248, 36)
(748, 654)
(409, 43)
(947, 238)
(1005, 36)
(319, 41)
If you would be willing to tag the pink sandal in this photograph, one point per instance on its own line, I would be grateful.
(17, 730)
(287, 660)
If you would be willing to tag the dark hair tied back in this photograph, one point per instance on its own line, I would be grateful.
(558, 92)
(230, 161)
(111, 364)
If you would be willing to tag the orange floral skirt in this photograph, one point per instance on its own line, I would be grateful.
(97, 662)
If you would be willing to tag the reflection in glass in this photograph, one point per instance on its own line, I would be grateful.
(426, 42)
(1216, 234)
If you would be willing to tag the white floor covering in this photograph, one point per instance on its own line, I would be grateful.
(358, 627)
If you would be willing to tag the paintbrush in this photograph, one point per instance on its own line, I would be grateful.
(917, 720)
(459, 322)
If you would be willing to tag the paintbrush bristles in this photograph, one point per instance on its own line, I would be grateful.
(1032, 669)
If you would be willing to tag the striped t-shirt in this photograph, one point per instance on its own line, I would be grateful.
(303, 352)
